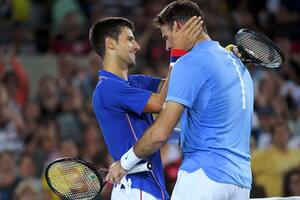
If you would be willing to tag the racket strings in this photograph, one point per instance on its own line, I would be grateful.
(74, 180)
(264, 52)
(59, 183)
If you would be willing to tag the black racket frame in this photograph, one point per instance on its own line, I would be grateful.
(247, 57)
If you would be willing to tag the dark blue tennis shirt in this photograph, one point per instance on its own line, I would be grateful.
(118, 105)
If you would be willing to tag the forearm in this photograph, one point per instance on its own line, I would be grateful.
(155, 136)
(163, 88)
(175, 54)
(156, 101)
(152, 140)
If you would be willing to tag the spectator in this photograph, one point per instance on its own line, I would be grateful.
(27, 190)
(8, 175)
(269, 165)
(69, 121)
(269, 106)
(48, 98)
(27, 168)
(10, 138)
(61, 8)
(45, 147)
(257, 191)
(291, 183)
(16, 81)
(93, 147)
(90, 77)
(70, 39)
(31, 115)
(68, 148)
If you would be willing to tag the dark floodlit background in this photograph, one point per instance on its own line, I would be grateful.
(48, 73)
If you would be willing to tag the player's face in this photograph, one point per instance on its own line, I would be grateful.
(127, 47)
(167, 36)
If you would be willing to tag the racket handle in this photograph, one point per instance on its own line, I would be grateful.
(147, 166)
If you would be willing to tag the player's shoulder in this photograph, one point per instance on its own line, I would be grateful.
(109, 83)
(190, 60)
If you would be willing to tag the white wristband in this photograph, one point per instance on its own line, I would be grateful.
(129, 159)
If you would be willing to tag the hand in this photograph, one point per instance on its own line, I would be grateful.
(186, 36)
(234, 50)
(115, 173)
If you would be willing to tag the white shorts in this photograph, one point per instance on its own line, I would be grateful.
(197, 186)
(127, 193)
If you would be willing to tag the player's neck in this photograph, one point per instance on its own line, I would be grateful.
(113, 66)
(203, 37)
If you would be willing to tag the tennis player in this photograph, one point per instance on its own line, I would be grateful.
(212, 92)
(123, 104)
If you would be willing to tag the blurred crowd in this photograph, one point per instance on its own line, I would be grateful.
(59, 121)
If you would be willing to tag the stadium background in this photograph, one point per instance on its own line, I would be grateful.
(48, 72)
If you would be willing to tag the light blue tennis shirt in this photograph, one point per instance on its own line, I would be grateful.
(217, 91)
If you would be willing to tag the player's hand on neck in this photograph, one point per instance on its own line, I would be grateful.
(192, 31)
(185, 35)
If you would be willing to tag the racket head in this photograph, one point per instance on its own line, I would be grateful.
(258, 49)
(71, 179)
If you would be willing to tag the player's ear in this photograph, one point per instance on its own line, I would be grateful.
(178, 25)
(110, 43)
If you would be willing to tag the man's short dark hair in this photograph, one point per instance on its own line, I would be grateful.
(180, 11)
(107, 27)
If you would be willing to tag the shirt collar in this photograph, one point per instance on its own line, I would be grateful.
(108, 74)
(206, 43)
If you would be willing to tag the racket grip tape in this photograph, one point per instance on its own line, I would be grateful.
(229, 47)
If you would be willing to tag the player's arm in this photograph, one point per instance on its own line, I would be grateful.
(156, 101)
(183, 39)
(176, 53)
(154, 137)
(23, 83)
(160, 131)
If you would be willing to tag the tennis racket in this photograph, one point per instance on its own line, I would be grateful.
(258, 49)
(71, 178)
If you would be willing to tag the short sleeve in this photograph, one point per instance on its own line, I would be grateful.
(145, 82)
(120, 96)
(186, 80)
